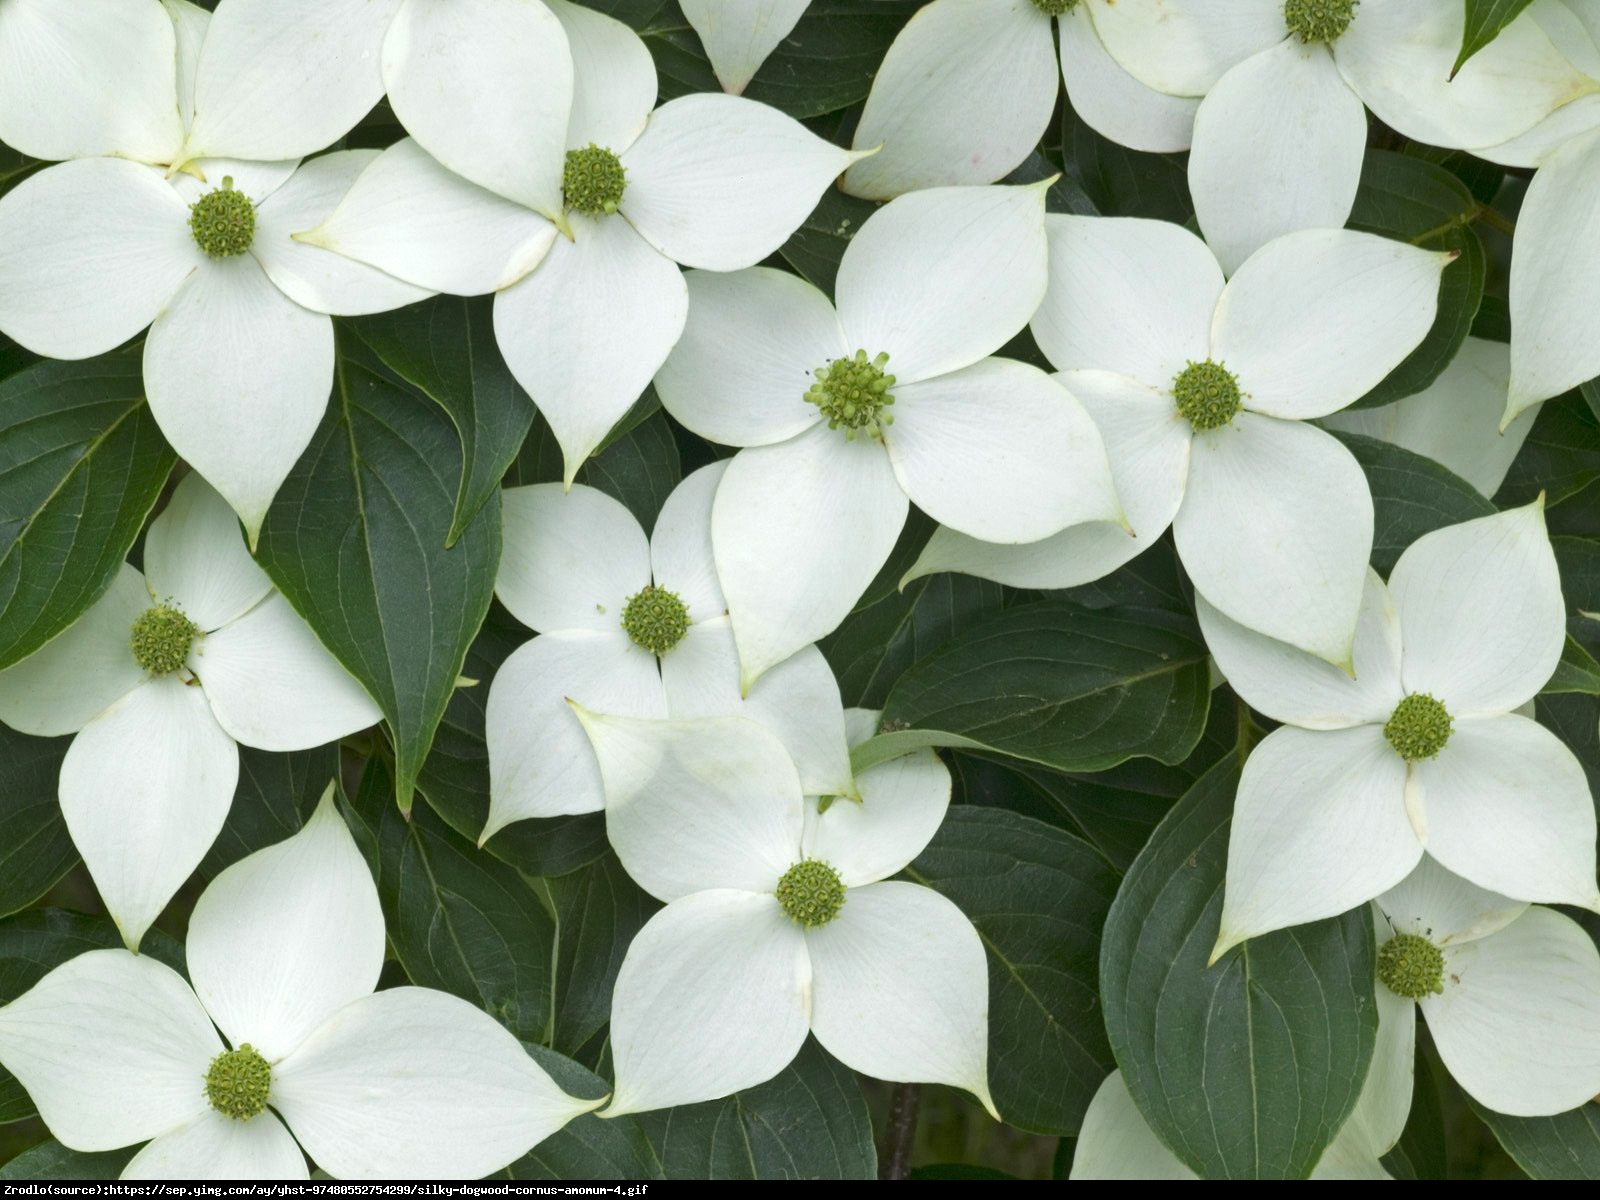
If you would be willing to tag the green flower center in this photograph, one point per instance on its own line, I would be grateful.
(655, 619)
(223, 221)
(1207, 395)
(1055, 8)
(161, 639)
(811, 892)
(1318, 20)
(237, 1083)
(852, 394)
(1419, 727)
(1411, 966)
(593, 180)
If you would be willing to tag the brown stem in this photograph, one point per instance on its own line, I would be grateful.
(895, 1162)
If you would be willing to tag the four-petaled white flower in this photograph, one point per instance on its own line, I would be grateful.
(633, 627)
(160, 679)
(284, 949)
(780, 919)
(847, 417)
(584, 320)
(1422, 751)
(1203, 392)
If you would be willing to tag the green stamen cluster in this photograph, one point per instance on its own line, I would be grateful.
(161, 639)
(593, 180)
(223, 221)
(1055, 8)
(853, 392)
(237, 1083)
(1411, 966)
(655, 619)
(1419, 727)
(811, 893)
(1207, 395)
(1318, 20)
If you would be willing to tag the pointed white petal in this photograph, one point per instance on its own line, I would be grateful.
(1353, 304)
(1319, 826)
(1116, 1142)
(1113, 102)
(690, 805)
(1278, 144)
(1555, 303)
(189, 22)
(1574, 31)
(1290, 685)
(410, 217)
(739, 34)
(1482, 619)
(614, 79)
(1384, 1105)
(312, 276)
(572, 560)
(540, 764)
(284, 78)
(112, 1048)
(720, 183)
(195, 554)
(1276, 529)
(76, 676)
(411, 1083)
(217, 1147)
(1507, 806)
(90, 253)
(485, 86)
(963, 95)
(713, 997)
(1127, 295)
(1182, 47)
(753, 339)
(1000, 451)
(1445, 908)
(901, 989)
(79, 80)
(799, 530)
(902, 805)
(979, 259)
(238, 377)
(1147, 443)
(680, 545)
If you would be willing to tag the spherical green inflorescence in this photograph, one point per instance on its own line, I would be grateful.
(655, 619)
(237, 1083)
(223, 221)
(1419, 727)
(1207, 395)
(593, 180)
(1319, 20)
(161, 639)
(1410, 965)
(811, 893)
(853, 392)
(1055, 8)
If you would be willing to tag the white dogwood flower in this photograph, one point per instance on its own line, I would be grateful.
(1203, 393)
(1423, 750)
(780, 918)
(968, 87)
(159, 680)
(284, 950)
(633, 627)
(585, 319)
(739, 34)
(848, 416)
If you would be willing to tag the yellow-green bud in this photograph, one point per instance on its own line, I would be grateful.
(811, 893)
(223, 221)
(655, 619)
(1411, 966)
(238, 1082)
(1419, 727)
(1319, 20)
(593, 180)
(1207, 395)
(161, 639)
(853, 392)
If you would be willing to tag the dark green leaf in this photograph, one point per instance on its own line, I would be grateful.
(1485, 20)
(1411, 495)
(1126, 182)
(1246, 1069)
(15, 167)
(1037, 897)
(1576, 721)
(81, 466)
(637, 464)
(356, 541)
(52, 1160)
(1591, 396)
(1576, 672)
(1565, 1146)
(35, 848)
(814, 250)
(277, 793)
(1561, 457)
(1420, 1153)
(591, 1147)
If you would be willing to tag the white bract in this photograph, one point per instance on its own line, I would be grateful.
(284, 950)
(633, 627)
(779, 919)
(585, 319)
(739, 34)
(160, 679)
(1203, 393)
(847, 414)
(968, 87)
(1422, 750)
(1280, 135)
